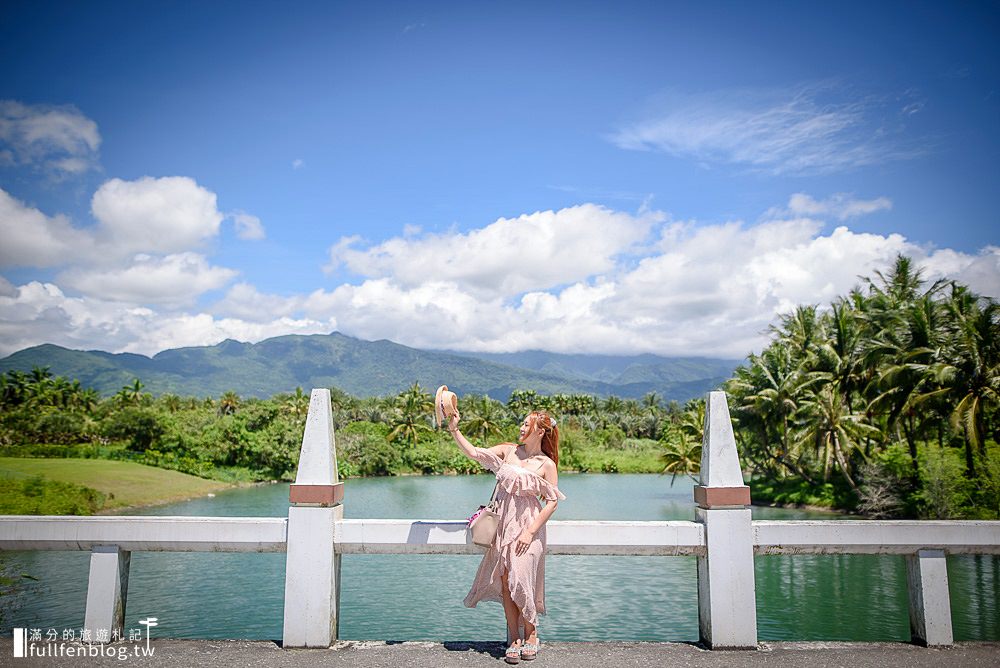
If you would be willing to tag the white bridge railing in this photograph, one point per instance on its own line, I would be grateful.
(315, 535)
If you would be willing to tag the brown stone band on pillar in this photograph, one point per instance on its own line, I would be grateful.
(715, 497)
(324, 495)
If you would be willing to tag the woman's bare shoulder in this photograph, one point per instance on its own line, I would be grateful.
(549, 469)
(502, 449)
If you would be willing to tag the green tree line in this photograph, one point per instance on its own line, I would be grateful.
(232, 437)
(886, 400)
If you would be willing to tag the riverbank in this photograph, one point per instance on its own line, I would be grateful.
(94, 486)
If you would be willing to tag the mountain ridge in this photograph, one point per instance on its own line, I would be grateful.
(367, 368)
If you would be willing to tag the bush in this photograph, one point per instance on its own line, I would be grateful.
(426, 458)
(61, 427)
(140, 426)
(885, 487)
(364, 445)
(989, 488)
(37, 496)
(944, 488)
(611, 437)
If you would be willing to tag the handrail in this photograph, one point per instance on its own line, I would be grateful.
(144, 533)
(406, 536)
(773, 537)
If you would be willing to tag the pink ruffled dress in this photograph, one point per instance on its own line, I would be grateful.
(517, 497)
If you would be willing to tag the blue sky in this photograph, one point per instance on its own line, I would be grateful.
(578, 177)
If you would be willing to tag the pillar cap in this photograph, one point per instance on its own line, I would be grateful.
(316, 495)
(721, 497)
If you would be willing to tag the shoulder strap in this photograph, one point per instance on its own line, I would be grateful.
(493, 497)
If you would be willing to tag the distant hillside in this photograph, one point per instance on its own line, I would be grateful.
(367, 368)
(616, 369)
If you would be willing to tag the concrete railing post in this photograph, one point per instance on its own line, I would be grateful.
(107, 591)
(312, 569)
(727, 606)
(930, 605)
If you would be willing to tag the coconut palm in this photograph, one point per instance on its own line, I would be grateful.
(768, 392)
(681, 456)
(229, 403)
(297, 404)
(831, 430)
(971, 376)
(905, 355)
(410, 419)
(484, 417)
(132, 395)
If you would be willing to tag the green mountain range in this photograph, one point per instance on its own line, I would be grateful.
(368, 368)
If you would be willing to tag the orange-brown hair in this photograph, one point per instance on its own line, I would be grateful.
(550, 439)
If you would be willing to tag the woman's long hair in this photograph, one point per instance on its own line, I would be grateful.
(550, 439)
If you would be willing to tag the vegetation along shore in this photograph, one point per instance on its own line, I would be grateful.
(883, 403)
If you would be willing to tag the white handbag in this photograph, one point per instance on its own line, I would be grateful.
(484, 522)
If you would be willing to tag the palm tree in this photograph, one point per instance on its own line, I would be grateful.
(297, 404)
(905, 355)
(171, 402)
(833, 431)
(410, 420)
(485, 417)
(132, 395)
(89, 399)
(692, 422)
(522, 401)
(971, 377)
(424, 400)
(681, 456)
(768, 392)
(229, 403)
(800, 330)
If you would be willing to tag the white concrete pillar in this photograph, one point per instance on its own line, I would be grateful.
(930, 605)
(312, 569)
(107, 591)
(727, 605)
(312, 578)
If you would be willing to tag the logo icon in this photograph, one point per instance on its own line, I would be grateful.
(20, 642)
(149, 623)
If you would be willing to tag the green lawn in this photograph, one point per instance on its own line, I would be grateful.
(122, 483)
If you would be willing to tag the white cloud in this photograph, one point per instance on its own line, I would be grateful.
(59, 138)
(512, 255)
(164, 215)
(980, 272)
(808, 129)
(32, 239)
(244, 301)
(7, 288)
(298, 163)
(248, 227)
(142, 249)
(840, 206)
(174, 279)
(148, 215)
(40, 312)
(705, 289)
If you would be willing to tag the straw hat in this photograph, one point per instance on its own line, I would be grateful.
(445, 404)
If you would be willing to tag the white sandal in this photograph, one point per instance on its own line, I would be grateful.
(513, 654)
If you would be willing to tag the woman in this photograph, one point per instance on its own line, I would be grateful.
(513, 569)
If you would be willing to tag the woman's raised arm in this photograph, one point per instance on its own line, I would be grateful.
(491, 458)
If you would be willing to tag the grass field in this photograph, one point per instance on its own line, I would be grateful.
(122, 483)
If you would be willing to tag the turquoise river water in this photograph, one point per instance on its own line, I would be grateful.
(419, 597)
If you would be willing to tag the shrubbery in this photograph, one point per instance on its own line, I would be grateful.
(37, 496)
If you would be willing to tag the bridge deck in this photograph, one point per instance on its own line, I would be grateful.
(376, 654)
